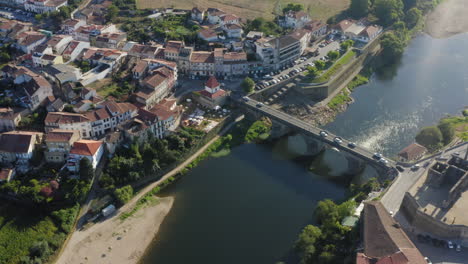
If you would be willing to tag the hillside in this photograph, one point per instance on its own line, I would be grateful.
(320, 9)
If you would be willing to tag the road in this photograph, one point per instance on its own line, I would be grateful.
(330, 139)
(394, 196)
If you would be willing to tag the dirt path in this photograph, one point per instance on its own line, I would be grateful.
(448, 19)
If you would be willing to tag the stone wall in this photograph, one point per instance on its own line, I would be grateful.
(417, 218)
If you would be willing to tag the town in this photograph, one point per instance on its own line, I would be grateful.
(98, 99)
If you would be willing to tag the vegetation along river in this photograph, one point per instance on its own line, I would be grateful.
(249, 206)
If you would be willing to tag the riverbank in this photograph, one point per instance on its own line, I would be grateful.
(447, 19)
(117, 241)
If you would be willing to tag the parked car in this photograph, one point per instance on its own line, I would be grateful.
(415, 167)
(458, 248)
(450, 244)
(400, 168)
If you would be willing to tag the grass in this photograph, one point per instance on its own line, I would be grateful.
(318, 9)
(460, 124)
(340, 99)
(357, 81)
(345, 59)
(20, 229)
(259, 130)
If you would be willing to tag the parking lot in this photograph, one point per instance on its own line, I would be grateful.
(16, 14)
(300, 65)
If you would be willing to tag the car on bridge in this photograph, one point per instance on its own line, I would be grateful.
(245, 98)
(259, 105)
(351, 144)
(338, 140)
(323, 134)
(377, 156)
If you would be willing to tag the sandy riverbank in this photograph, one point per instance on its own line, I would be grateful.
(448, 19)
(114, 241)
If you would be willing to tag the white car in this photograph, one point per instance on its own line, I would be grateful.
(427, 260)
(450, 244)
(377, 156)
(338, 140)
(458, 248)
(323, 134)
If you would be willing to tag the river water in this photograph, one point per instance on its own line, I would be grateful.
(249, 206)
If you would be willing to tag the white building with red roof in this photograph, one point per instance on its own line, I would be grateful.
(212, 96)
(89, 149)
(197, 14)
(44, 6)
(295, 19)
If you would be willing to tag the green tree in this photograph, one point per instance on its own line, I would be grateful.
(320, 64)
(326, 210)
(430, 137)
(412, 17)
(306, 243)
(392, 47)
(86, 169)
(124, 194)
(112, 12)
(447, 130)
(345, 45)
(248, 85)
(359, 8)
(333, 55)
(293, 7)
(388, 11)
(312, 72)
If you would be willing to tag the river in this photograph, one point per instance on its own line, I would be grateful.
(249, 206)
(430, 82)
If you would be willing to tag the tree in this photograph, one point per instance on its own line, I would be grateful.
(112, 12)
(412, 17)
(345, 45)
(359, 8)
(312, 72)
(447, 130)
(392, 47)
(248, 85)
(305, 244)
(333, 55)
(388, 11)
(293, 7)
(86, 169)
(320, 64)
(124, 194)
(326, 210)
(430, 137)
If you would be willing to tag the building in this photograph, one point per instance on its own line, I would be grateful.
(7, 174)
(69, 26)
(29, 40)
(233, 30)
(112, 40)
(44, 6)
(208, 34)
(38, 52)
(59, 143)
(18, 146)
(384, 239)
(157, 85)
(62, 73)
(86, 32)
(214, 15)
(202, 63)
(74, 49)
(317, 28)
(357, 30)
(89, 149)
(278, 52)
(58, 43)
(412, 152)
(49, 59)
(140, 50)
(68, 121)
(34, 91)
(9, 120)
(197, 14)
(295, 19)
(212, 96)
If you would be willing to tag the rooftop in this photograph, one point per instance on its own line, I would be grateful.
(85, 147)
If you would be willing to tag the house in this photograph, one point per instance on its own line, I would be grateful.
(208, 34)
(9, 119)
(233, 30)
(357, 30)
(10, 29)
(102, 57)
(295, 19)
(59, 143)
(342, 26)
(228, 19)
(412, 152)
(197, 14)
(384, 239)
(89, 149)
(62, 73)
(230, 63)
(38, 52)
(214, 15)
(369, 33)
(108, 115)
(113, 40)
(140, 50)
(202, 63)
(7, 174)
(34, 91)
(254, 35)
(44, 6)
(84, 33)
(278, 52)
(68, 121)
(143, 66)
(303, 36)
(18, 146)
(317, 28)
(212, 96)
(69, 26)
(55, 105)
(159, 120)
(49, 59)
(157, 85)
(74, 49)
(58, 43)
(29, 40)
(172, 50)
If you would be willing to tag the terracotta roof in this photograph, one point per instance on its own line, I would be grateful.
(140, 66)
(370, 31)
(236, 56)
(207, 33)
(412, 151)
(344, 24)
(229, 17)
(215, 95)
(233, 26)
(202, 57)
(315, 25)
(8, 113)
(65, 118)
(165, 109)
(55, 40)
(85, 147)
(60, 135)
(296, 15)
(385, 240)
(30, 37)
(154, 80)
(17, 141)
(71, 22)
(212, 82)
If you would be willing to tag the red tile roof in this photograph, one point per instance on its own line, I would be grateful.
(212, 82)
(85, 147)
(60, 135)
(412, 151)
(17, 141)
(215, 95)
